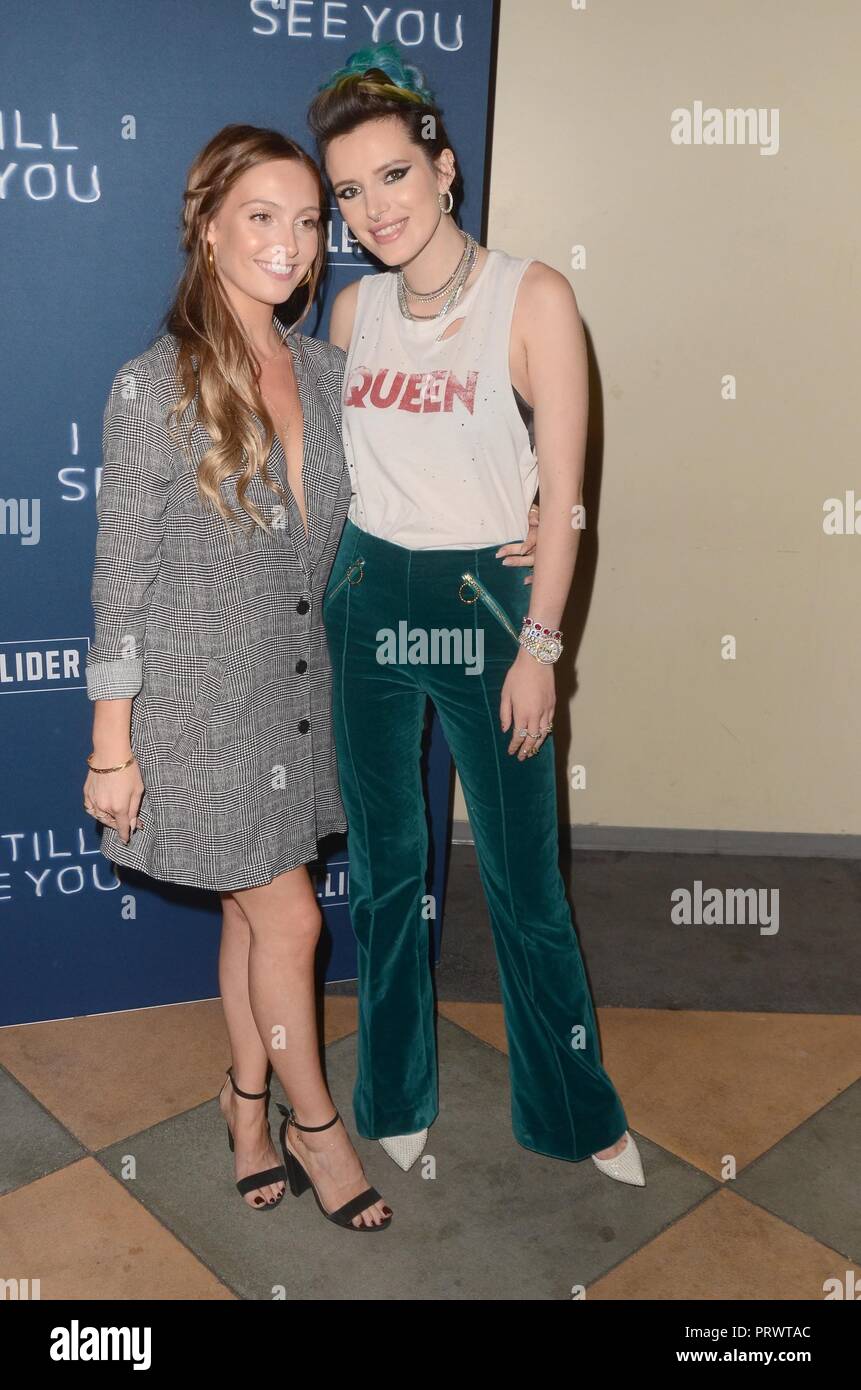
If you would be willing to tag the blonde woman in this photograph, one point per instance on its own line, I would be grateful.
(223, 496)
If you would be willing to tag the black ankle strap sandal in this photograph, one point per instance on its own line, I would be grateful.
(299, 1180)
(268, 1175)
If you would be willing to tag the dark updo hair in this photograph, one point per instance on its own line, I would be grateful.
(376, 82)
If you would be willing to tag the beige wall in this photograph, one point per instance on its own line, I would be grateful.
(705, 514)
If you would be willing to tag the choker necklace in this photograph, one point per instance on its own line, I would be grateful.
(435, 294)
(454, 285)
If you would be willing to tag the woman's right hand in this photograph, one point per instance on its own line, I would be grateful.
(115, 797)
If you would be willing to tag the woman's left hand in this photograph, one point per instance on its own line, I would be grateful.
(529, 696)
(522, 552)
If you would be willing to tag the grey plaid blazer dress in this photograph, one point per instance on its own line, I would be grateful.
(218, 639)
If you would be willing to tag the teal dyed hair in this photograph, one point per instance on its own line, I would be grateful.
(405, 77)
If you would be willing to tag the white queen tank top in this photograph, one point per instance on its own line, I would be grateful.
(440, 453)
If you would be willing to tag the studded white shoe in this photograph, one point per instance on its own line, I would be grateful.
(405, 1148)
(626, 1166)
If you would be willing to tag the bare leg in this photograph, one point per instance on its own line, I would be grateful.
(253, 1147)
(283, 922)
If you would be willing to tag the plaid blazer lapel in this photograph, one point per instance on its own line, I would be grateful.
(322, 450)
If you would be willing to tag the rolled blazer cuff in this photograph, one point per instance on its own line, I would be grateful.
(115, 680)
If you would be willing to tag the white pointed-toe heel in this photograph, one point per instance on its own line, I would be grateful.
(405, 1148)
(627, 1166)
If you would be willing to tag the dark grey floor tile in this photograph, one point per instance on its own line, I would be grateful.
(33, 1142)
(496, 1221)
(812, 1178)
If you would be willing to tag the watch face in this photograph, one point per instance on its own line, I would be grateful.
(549, 649)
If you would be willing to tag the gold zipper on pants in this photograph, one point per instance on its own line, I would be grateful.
(470, 579)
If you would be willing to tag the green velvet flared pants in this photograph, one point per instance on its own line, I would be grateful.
(403, 625)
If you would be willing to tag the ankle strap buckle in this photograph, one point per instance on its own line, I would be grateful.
(289, 1112)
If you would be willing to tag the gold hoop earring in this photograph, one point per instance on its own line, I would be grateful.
(210, 258)
(307, 278)
(440, 197)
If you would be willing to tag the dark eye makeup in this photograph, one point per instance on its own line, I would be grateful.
(346, 192)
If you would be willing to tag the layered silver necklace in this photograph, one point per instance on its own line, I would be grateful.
(452, 289)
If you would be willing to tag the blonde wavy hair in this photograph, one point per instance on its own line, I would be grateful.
(226, 380)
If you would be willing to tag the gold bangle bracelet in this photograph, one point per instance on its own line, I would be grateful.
(110, 769)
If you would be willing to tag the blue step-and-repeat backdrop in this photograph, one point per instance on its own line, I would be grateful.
(103, 106)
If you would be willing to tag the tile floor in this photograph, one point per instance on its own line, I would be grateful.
(767, 1072)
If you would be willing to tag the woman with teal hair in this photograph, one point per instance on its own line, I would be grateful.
(465, 386)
